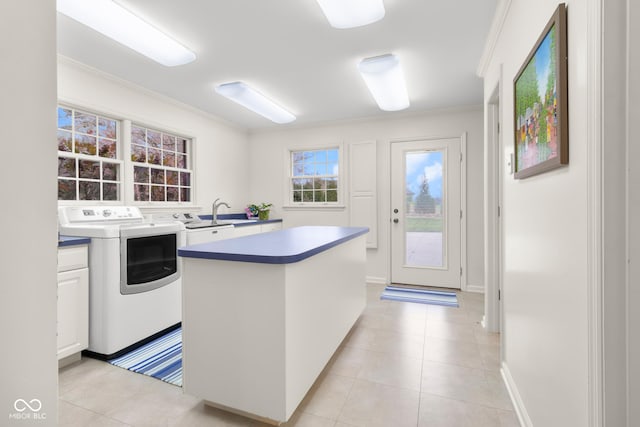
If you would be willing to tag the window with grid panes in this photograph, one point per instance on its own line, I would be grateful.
(88, 163)
(160, 166)
(314, 176)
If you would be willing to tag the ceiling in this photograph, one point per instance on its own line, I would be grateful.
(287, 50)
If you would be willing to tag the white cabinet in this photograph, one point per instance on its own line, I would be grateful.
(211, 234)
(271, 226)
(73, 313)
(363, 189)
(246, 230)
(257, 228)
(73, 300)
(287, 317)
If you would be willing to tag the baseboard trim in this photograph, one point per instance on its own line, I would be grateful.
(475, 288)
(377, 280)
(122, 352)
(66, 361)
(516, 399)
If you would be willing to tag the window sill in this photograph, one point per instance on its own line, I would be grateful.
(180, 208)
(314, 207)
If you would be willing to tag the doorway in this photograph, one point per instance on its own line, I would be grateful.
(426, 212)
(493, 214)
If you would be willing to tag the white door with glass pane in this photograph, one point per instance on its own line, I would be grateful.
(425, 213)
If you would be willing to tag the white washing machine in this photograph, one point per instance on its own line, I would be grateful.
(134, 275)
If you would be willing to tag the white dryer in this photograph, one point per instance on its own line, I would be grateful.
(134, 275)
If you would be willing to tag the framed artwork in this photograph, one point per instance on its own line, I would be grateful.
(540, 102)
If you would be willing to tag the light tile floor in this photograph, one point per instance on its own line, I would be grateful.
(403, 364)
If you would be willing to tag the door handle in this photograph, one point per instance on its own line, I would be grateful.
(396, 220)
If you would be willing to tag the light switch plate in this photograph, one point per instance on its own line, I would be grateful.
(510, 163)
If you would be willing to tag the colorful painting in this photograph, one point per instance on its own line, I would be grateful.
(540, 99)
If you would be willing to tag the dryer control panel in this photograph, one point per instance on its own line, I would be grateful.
(99, 214)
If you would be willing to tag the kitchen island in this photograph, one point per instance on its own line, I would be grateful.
(263, 314)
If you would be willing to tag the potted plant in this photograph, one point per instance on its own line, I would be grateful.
(261, 210)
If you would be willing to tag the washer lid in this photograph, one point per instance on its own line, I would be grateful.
(101, 231)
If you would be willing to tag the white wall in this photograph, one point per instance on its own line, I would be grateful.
(633, 290)
(614, 232)
(268, 172)
(545, 237)
(221, 149)
(28, 175)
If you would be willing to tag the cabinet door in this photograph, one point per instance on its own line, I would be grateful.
(73, 312)
(209, 235)
(246, 230)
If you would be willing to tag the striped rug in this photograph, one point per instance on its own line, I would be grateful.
(160, 358)
(421, 296)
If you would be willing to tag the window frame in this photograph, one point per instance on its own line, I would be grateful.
(130, 164)
(96, 158)
(289, 203)
(123, 147)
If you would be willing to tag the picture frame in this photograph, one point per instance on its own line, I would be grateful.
(540, 103)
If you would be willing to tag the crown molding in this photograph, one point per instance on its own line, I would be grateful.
(492, 38)
(366, 119)
(148, 92)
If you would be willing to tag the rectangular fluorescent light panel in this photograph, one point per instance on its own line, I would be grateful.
(255, 101)
(385, 80)
(119, 24)
(352, 13)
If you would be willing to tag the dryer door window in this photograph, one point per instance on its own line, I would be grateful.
(148, 263)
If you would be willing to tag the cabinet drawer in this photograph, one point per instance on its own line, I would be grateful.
(209, 235)
(273, 226)
(246, 230)
(72, 258)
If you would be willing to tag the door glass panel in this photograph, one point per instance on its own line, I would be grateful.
(151, 258)
(424, 226)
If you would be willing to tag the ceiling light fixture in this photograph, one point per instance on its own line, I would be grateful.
(117, 23)
(385, 80)
(352, 13)
(255, 101)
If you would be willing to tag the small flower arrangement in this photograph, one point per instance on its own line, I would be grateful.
(261, 210)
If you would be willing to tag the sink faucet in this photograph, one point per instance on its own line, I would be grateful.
(214, 209)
